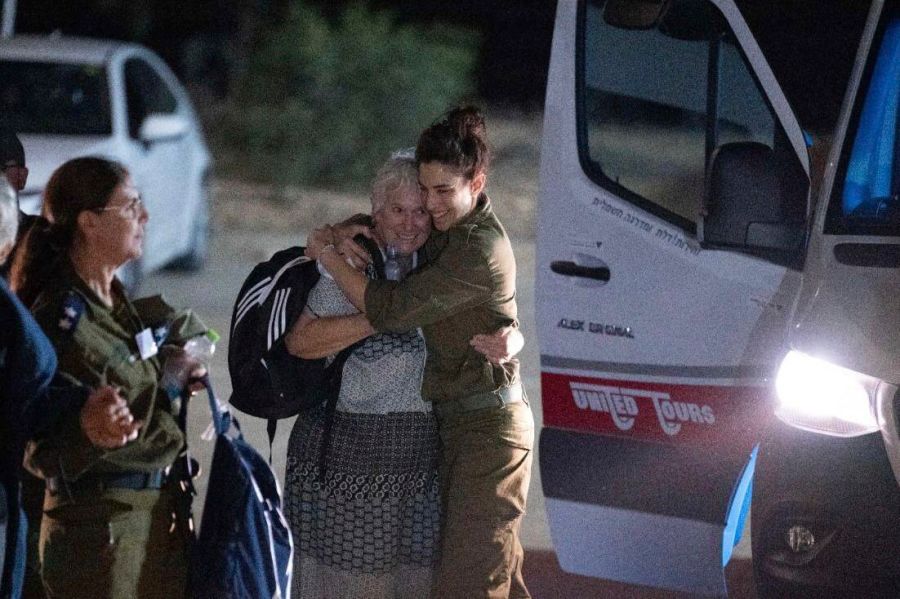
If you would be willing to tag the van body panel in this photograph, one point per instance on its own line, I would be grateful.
(847, 311)
(656, 375)
(851, 313)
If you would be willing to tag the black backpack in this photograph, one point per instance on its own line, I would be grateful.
(266, 380)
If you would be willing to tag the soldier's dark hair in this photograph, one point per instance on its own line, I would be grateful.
(80, 184)
(458, 139)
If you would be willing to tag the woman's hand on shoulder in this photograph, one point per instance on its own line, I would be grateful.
(355, 255)
(341, 237)
(501, 346)
(319, 239)
(106, 420)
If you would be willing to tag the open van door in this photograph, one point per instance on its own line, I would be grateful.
(673, 214)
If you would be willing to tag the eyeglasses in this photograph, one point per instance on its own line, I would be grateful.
(132, 209)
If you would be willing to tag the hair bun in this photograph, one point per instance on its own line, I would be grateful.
(457, 139)
(467, 121)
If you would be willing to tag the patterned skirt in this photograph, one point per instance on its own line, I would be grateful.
(370, 527)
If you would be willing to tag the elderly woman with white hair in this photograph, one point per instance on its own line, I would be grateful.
(369, 525)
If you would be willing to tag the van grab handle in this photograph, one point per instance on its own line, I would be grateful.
(571, 269)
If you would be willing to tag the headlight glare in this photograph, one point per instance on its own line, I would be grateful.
(816, 395)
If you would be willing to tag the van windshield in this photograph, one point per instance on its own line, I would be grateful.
(865, 199)
(54, 98)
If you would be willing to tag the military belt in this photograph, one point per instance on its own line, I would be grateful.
(92, 483)
(479, 401)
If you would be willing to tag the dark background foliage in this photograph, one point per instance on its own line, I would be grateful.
(206, 40)
(212, 44)
(326, 100)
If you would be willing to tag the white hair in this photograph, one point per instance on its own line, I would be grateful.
(9, 216)
(398, 173)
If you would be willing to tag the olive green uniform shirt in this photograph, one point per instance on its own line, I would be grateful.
(466, 287)
(98, 347)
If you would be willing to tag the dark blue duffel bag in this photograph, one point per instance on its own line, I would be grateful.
(244, 548)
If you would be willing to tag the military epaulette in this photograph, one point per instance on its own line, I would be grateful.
(73, 307)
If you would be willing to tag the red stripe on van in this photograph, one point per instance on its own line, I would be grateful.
(658, 412)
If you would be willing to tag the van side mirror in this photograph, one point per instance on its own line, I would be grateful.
(161, 127)
(752, 204)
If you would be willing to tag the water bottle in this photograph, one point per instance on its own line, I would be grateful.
(202, 347)
(177, 368)
(392, 270)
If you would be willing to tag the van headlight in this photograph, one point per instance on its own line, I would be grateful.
(822, 397)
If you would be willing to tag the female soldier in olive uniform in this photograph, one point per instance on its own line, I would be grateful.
(107, 527)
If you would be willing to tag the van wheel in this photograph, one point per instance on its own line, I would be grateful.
(195, 258)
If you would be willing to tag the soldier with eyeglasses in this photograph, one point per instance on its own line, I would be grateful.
(108, 529)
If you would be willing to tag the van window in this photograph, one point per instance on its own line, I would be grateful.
(811, 47)
(866, 196)
(654, 103)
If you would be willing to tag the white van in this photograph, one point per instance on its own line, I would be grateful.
(691, 287)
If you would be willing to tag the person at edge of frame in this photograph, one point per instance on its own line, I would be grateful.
(12, 165)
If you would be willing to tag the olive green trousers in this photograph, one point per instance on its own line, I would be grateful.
(118, 546)
(485, 473)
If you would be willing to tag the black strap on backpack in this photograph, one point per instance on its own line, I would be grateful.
(181, 476)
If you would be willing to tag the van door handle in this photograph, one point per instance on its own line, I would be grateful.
(571, 269)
